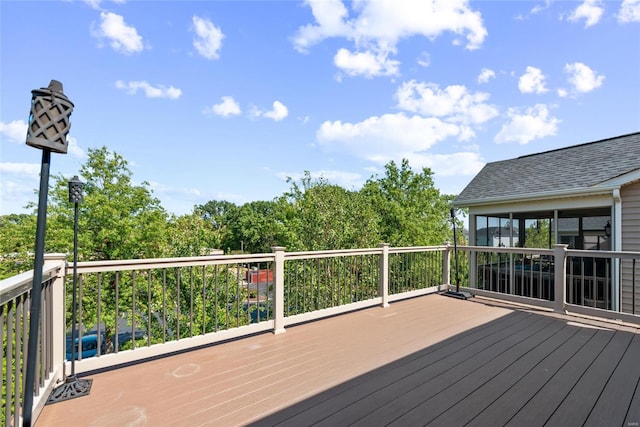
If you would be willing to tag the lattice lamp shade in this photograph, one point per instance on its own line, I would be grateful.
(49, 117)
(75, 190)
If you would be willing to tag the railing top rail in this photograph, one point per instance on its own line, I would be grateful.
(603, 254)
(331, 253)
(22, 283)
(419, 249)
(151, 263)
(513, 250)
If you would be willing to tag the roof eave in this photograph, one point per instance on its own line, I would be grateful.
(598, 190)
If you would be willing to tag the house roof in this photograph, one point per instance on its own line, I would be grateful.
(577, 168)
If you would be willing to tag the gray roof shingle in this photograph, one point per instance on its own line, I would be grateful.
(575, 167)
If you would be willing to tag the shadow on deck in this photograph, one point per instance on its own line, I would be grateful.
(427, 361)
(522, 369)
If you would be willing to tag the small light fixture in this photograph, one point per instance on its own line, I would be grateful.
(607, 229)
(75, 190)
(73, 386)
(49, 118)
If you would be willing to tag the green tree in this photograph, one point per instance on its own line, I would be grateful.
(258, 226)
(327, 216)
(221, 215)
(117, 219)
(191, 235)
(17, 242)
(411, 211)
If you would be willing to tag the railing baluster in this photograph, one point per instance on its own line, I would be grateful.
(98, 314)
(164, 305)
(191, 301)
(149, 333)
(633, 286)
(116, 345)
(133, 309)
(204, 299)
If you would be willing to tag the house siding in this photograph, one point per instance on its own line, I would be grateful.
(630, 195)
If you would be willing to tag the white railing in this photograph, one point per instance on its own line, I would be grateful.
(132, 310)
(594, 283)
(159, 306)
(15, 304)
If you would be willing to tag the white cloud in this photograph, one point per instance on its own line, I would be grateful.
(534, 123)
(378, 25)
(540, 8)
(591, 11)
(390, 136)
(123, 38)
(582, 78)
(208, 41)
(277, 113)
(461, 163)
(19, 180)
(228, 107)
(629, 11)
(95, 4)
(562, 93)
(330, 16)
(158, 91)
(536, 9)
(169, 190)
(424, 60)
(28, 169)
(14, 131)
(74, 149)
(532, 81)
(485, 75)
(455, 103)
(367, 63)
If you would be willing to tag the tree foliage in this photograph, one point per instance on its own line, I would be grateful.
(119, 219)
(410, 210)
(17, 241)
(329, 217)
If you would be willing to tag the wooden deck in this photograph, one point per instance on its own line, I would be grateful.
(426, 361)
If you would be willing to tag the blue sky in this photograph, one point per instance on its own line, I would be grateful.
(225, 99)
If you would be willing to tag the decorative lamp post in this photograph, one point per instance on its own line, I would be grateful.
(72, 386)
(47, 130)
(456, 293)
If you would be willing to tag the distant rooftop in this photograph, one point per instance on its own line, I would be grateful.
(571, 168)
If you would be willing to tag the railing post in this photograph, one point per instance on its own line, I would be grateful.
(383, 283)
(446, 266)
(278, 290)
(559, 277)
(54, 317)
(58, 316)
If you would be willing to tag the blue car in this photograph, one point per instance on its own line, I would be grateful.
(89, 346)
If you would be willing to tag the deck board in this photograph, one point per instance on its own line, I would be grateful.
(429, 359)
(449, 398)
(616, 397)
(353, 400)
(429, 392)
(578, 404)
(557, 371)
(552, 352)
